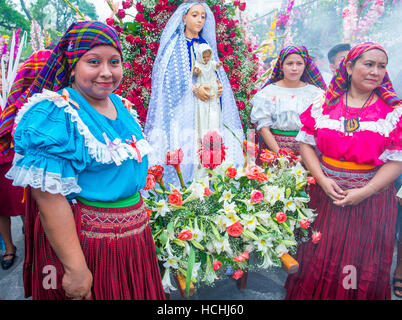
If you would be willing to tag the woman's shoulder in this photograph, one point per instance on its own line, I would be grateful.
(46, 104)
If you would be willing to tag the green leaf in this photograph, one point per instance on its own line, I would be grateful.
(163, 238)
(190, 265)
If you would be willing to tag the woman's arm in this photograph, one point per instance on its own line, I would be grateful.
(383, 178)
(269, 139)
(312, 163)
(58, 223)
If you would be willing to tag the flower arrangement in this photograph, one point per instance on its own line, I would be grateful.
(203, 227)
(141, 34)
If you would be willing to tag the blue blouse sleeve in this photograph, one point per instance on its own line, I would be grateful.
(49, 150)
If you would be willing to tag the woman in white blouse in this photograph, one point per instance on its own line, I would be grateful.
(294, 84)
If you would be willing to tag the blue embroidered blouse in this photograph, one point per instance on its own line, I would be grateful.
(78, 151)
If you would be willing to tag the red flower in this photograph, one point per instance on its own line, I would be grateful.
(130, 38)
(110, 21)
(149, 213)
(242, 257)
(174, 158)
(139, 6)
(157, 171)
(175, 198)
(150, 182)
(267, 156)
(281, 217)
(242, 6)
(253, 171)
(236, 3)
(235, 230)
(231, 172)
(185, 235)
(212, 152)
(286, 152)
(207, 192)
(140, 17)
(238, 274)
(216, 265)
(121, 14)
(316, 237)
(310, 180)
(256, 196)
(304, 223)
(241, 105)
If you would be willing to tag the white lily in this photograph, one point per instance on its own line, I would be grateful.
(167, 284)
(195, 270)
(267, 261)
(290, 205)
(249, 222)
(161, 208)
(226, 196)
(171, 261)
(273, 194)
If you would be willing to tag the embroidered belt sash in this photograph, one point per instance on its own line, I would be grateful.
(347, 164)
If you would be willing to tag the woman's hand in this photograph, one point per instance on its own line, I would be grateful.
(78, 283)
(331, 189)
(353, 197)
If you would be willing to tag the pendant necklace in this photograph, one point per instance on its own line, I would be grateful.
(353, 124)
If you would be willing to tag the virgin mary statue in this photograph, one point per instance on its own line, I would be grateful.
(173, 117)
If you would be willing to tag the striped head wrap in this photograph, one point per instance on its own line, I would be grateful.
(311, 73)
(80, 37)
(23, 80)
(339, 83)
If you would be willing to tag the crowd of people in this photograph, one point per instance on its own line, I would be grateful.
(81, 156)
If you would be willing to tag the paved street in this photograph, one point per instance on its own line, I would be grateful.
(264, 285)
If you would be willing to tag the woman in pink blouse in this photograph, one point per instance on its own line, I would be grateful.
(358, 130)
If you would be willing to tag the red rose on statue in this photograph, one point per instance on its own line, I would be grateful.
(235, 230)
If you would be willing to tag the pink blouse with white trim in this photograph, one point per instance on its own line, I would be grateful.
(378, 139)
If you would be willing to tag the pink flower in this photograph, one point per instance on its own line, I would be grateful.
(281, 217)
(310, 180)
(216, 265)
(150, 182)
(235, 230)
(139, 17)
(110, 21)
(207, 192)
(304, 223)
(256, 196)
(139, 6)
(316, 237)
(238, 274)
(242, 6)
(121, 14)
(174, 158)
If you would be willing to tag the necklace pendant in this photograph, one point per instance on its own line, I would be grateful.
(351, 125)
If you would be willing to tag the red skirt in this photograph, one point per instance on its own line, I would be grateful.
(10, 196)
(354, 256)
(118, 248)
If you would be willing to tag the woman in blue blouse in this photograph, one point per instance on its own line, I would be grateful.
(84, 156)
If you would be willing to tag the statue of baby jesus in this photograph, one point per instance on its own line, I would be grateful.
(205, 69)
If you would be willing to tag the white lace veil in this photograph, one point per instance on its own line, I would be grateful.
(171, 118)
